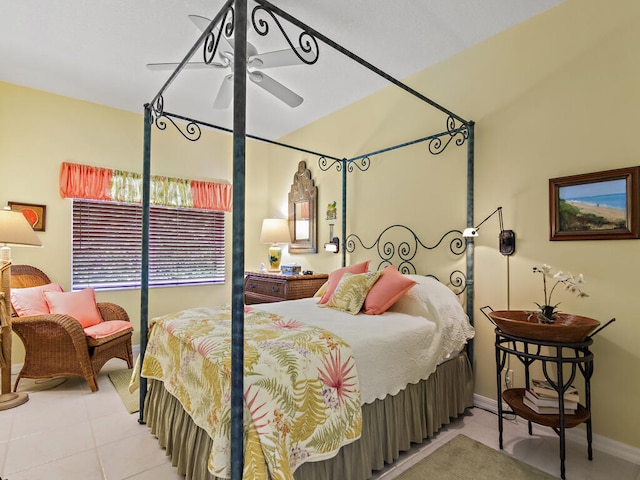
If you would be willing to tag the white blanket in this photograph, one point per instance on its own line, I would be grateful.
(399, 347)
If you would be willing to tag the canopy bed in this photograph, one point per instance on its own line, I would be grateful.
(421, 405)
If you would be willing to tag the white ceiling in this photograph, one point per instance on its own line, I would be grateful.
(96, 50)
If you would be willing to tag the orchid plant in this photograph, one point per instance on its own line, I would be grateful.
(570, 282)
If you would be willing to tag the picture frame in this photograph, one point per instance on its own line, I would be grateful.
(35, 214)
(595, 206)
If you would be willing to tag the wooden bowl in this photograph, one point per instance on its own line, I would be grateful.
(525, 324)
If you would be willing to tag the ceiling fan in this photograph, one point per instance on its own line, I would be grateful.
(256, 62)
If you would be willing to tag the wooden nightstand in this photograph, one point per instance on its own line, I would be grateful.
(269, 287)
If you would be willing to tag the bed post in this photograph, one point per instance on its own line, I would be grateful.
(144, 280)
(470, 223)
(344, 211)
(237, 261)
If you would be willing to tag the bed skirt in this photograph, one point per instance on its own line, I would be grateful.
(389, 426)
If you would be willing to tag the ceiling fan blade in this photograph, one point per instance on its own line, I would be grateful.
(203, 22)
(190, 65)
(223, 99)
(276, 89)
(277, 58)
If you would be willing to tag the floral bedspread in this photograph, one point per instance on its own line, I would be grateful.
(301, 390)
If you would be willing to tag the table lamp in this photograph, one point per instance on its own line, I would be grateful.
(14, 230)
(275, 231)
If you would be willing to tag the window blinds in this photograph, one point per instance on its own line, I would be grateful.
(186, 245)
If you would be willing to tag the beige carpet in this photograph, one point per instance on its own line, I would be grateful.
(120, 380)
(463, 458)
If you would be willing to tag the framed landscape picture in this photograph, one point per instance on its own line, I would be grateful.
(595, 206)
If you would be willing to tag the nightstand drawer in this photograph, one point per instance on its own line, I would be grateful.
(270, 287)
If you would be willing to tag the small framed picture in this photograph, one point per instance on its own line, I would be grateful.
(595, 206)
(35, 214)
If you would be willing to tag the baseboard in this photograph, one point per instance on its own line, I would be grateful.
(600, 443)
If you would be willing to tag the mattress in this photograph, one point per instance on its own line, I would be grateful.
(399, 347)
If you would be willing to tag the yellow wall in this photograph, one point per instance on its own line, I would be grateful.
(39, 131)
(554, 96)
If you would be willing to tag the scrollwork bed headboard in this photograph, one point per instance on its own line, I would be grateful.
(399, 245)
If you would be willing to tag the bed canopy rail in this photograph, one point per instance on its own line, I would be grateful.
(436, 145)
(232, 19)
(192, 132)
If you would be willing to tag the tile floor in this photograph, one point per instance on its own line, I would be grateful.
(68, 433)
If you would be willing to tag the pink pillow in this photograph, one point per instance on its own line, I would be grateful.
(386, 291)
(79, 305)
(336, 275)
(104, 329)
(30, 301)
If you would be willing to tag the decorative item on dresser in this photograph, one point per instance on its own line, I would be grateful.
(267, 287)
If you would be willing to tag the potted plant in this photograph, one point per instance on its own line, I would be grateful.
(570, 282)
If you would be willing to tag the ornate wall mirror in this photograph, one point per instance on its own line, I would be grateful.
(303, 212)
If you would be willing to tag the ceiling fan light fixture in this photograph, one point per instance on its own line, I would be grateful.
(256, 77)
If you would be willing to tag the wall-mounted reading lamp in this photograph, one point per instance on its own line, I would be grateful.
(333, 245)
(507, 238)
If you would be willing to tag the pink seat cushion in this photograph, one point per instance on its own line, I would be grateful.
(105, 329)
(79, 305)
(30, 301)
(386, 291)
(336, 275)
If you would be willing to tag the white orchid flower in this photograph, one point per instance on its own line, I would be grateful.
(561, 277)
(568, 280)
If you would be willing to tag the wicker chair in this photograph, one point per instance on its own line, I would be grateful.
(56, 345)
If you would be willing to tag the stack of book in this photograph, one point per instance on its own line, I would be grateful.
(542, 398)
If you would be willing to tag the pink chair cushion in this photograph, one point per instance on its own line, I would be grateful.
(105, 329)
(30, 301)
(336, 275)
(386, 291)
(80, 305)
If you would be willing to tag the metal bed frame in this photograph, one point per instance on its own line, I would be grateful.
(233, 19)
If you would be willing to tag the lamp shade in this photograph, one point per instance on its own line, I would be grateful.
(275, 230)
(15, 230)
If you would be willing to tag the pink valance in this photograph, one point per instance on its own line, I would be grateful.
(85, 181)
(96, 183)
(211, 196)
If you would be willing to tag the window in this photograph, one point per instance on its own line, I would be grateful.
(186, 245)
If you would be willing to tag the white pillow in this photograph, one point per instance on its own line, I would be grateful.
(427, 298)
